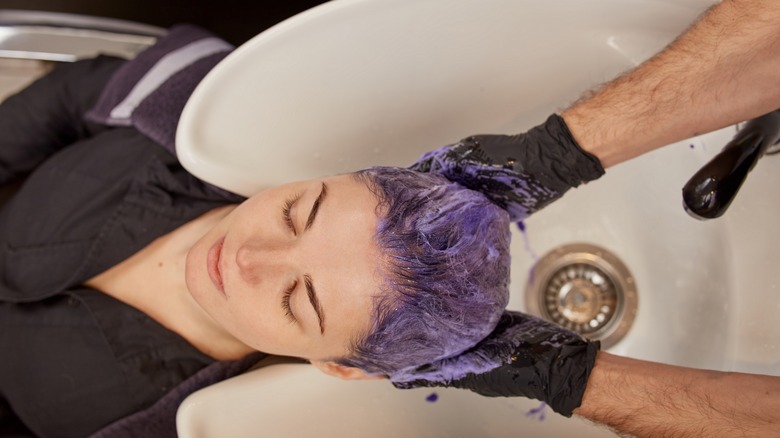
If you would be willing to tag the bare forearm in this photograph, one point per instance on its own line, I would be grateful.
(723, 70)
(647, 399)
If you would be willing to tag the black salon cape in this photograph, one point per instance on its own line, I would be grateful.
(73, 359)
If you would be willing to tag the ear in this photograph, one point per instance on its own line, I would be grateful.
(343, 372)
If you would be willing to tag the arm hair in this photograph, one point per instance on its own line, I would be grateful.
(647, 399)
(721, 71)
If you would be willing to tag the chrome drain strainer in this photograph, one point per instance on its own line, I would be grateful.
(584, 288)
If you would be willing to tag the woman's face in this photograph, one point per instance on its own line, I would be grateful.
(293, 270)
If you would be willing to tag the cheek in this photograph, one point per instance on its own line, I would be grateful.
(253, 323)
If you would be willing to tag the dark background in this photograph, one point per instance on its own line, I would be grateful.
(233, 20)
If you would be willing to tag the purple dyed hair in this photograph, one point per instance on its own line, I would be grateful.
(446, 264)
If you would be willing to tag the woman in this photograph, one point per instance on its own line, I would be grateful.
(124, 275)
(109, 228)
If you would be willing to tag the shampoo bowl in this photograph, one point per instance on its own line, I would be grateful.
(357, 83)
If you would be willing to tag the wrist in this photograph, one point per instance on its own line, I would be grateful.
(592, 141)
(560, 159)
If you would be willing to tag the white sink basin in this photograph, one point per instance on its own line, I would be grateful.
(352, 84)
(682, 267)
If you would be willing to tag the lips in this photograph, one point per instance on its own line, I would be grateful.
(212, 263)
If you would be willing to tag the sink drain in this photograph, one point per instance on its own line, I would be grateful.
(584, 288)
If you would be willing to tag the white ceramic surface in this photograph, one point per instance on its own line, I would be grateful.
(358, 83)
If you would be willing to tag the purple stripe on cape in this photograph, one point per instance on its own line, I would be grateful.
(157, 114)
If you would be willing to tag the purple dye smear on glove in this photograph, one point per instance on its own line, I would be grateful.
(500, 348)
(519, 173)
(524, 356)
(517, 193)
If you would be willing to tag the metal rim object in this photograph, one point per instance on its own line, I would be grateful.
(584, 288)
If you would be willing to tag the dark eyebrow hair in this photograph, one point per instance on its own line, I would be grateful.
(316, 206)
(315, 303)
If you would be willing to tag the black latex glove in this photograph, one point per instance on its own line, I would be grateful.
(521, 173)
(524, 356)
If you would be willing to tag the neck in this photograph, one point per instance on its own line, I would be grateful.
(152, 281)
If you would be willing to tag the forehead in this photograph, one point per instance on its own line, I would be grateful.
(346, 259)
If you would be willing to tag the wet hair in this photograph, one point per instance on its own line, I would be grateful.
(445, 271)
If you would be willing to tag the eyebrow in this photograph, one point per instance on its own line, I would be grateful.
(315, 303)
(316, 206)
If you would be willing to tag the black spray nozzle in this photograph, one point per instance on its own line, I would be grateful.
(709, 192)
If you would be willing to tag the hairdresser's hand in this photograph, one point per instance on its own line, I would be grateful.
(524, 357)
(521, 173)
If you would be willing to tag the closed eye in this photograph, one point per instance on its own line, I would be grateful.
(287, 212)
(286, 302)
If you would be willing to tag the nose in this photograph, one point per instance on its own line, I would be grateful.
(262, 261)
